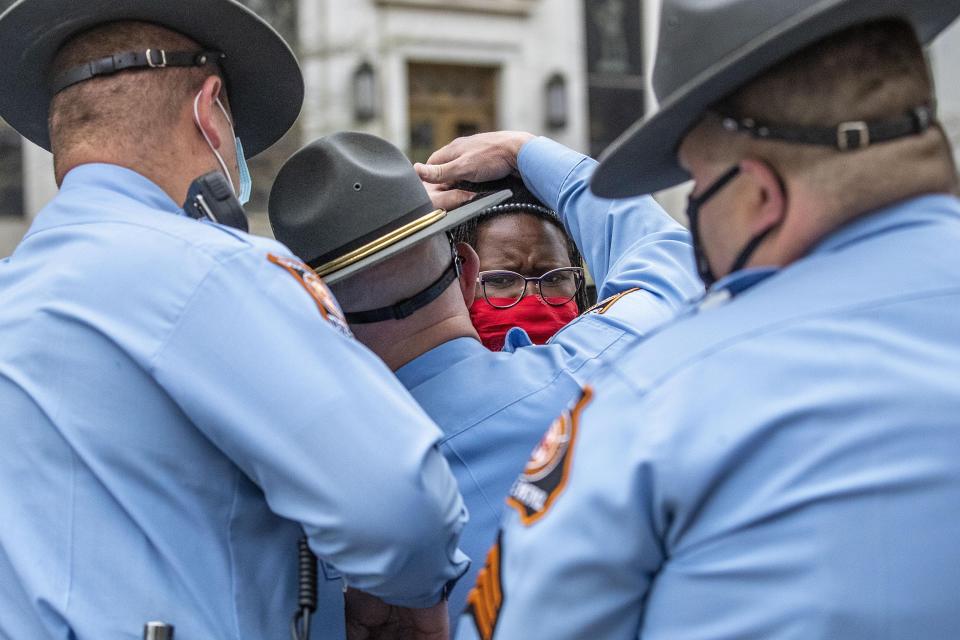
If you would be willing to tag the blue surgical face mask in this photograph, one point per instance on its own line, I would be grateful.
(246, 182)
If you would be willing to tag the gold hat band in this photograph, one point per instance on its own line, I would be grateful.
(381, 243)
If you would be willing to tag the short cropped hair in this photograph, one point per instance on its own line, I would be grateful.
(872, 71)
(867, 72)
(131, 107)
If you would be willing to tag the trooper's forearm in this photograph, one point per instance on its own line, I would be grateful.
(626, 244)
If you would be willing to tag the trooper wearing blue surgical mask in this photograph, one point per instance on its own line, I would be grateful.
(181, 401)
(243, 171)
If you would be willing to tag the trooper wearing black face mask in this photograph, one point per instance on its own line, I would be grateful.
(777, 462)
(182, 401)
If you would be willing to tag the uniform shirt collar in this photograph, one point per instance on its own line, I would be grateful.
(516, 338)
(121, 181)
(915, 211)
(436, 361)
(98, 192)
(736, 283)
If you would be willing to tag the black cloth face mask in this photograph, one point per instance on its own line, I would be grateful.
(844, 137)
(695, 204)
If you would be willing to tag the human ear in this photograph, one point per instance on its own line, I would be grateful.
(207, 112)
(768, 201)
(469, 270)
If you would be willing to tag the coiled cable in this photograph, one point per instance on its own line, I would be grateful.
(307, 598)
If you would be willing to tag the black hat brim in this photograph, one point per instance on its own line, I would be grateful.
(263, 78)
(451, 220)
(644, 159)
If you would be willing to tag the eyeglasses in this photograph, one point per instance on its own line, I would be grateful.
(504, 289)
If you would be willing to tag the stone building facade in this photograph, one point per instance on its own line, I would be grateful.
(420, 72)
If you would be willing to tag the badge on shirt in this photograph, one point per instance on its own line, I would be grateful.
(546, 473)
(604, 305)
(486, 597)
(318, 290)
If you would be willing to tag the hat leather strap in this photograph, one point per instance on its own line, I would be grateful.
(846, 136)
(149, 59)
(406, 308)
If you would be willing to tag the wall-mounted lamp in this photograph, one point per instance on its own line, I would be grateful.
(557, 107)
(365, 92)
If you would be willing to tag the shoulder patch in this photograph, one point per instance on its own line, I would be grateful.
(486, 597)
(545, 475)
(318, 290)
(604, 305)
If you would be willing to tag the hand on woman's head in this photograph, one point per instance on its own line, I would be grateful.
(481, 158)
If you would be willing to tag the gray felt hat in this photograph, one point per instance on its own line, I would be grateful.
(263, 78)
(350, 200)
(708, 49)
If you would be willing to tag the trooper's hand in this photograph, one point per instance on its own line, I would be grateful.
(445, 198)
(480, 158)
(369, 618)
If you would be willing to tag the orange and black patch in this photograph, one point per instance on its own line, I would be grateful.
(545, 475)
(486, 598)
(318, 290)
(604, 305)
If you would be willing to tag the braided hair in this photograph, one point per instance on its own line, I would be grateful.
(522, 201)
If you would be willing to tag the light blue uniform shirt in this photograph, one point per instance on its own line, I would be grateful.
(173, 406)
(494, 407)
(782, 464)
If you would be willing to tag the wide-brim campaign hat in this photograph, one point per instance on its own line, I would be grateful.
(708, 49)
(263, 78)
(351, 200)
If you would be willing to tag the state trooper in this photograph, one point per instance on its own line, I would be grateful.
(352, 207)
(779, 462)
(180, 398)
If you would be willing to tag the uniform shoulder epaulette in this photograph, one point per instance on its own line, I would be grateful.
(604, 305)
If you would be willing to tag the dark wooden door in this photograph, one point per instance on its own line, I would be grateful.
(449, 101)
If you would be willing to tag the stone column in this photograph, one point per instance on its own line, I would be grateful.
(39, 186)
(651, 29)
(673, 200)
(944, 55)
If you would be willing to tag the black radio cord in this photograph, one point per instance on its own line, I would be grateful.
(307, 599)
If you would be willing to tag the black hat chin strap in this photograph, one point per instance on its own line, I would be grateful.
(406, 308)
(693, 214)
(846, 136)
(149, 59)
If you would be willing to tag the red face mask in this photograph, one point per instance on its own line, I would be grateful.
(531, 314)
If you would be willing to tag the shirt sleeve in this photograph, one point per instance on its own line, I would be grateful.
(321, 426)
(580, 543)
(627, 244)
